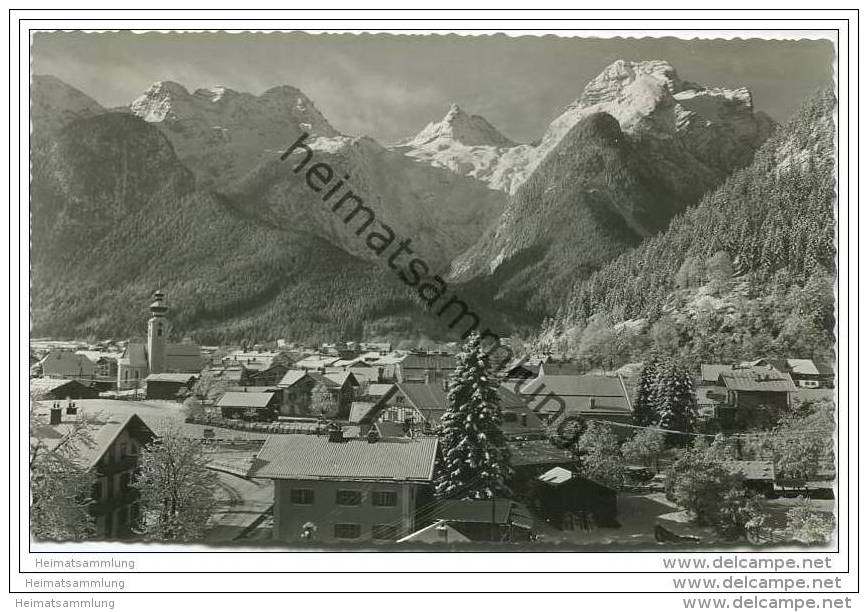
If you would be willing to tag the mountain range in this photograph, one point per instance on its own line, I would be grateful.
(188, 191)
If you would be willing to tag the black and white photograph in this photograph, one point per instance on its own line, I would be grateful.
(433, 291)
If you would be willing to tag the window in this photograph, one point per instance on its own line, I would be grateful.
(510, 417)
(385, 498)
(96, 493)
(348, 498)
(385, 532)
(347, 531)
(302, 497)
(125, 482)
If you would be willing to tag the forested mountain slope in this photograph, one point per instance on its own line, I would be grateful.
(749, 270)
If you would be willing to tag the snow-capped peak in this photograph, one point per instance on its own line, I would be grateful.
(159, 101)
(460, 128)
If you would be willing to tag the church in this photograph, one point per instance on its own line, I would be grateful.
(157, 355)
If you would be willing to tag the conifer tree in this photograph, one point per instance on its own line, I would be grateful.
(674, 398)
(475, 456)
(644, 408)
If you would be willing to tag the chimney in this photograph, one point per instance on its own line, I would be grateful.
(56, 416)
(373, 436)
(336, 434)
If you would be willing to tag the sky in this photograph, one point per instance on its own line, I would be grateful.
(390, 86)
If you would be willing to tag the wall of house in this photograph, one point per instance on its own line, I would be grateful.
(115, 505)
(324, 512)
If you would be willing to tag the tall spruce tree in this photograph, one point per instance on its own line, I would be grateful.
(644, 408)
(674, 398)
(475, 455)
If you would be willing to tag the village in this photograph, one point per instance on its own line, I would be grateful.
(344, 444)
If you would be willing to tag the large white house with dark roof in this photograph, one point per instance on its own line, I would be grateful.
(333, 489)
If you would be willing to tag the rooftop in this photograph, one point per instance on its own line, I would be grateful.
(309, 457)
(234, 399)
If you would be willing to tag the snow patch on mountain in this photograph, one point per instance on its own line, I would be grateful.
(648, 99)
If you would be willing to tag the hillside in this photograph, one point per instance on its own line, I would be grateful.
(748, 271)
(54, 104)
(115, 215)
(592, 198)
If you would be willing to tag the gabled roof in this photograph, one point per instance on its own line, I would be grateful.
(556, 476)
(102, 436)
(439, 532)
(291, 378)
(415, 361)
(309, 457)
(380, 389)
(42, 386)
(753, 380)
(587, 393)
(362, 411)
(804, 367)
(424, 396)
(551, 368)
(342, 378)
(587, 385)
(234, 399)
(69, 363)
(711, 371)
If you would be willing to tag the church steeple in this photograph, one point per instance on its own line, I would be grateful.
(158, 332)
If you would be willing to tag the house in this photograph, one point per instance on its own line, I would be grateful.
(591, 397)
(756, 387)
(758, 476)
(106, 363)
(266, 377)
(530, 458)
(425, 368)
(361, 369)
(168, 385)
(520, 369)
(371, 401)
(250, 406)
(333, 489)
(806, 373)
(317, 395)
(61, 388)
(570, 501)
(61, 363)
(418, 405)
(518, 420)
(157, 355)
(112, 452)
(316, 363)
(494, 520)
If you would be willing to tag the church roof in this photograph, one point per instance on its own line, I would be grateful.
(135, 355)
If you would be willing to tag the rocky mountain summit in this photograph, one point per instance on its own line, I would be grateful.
(221, 134)
(521, 223)
(682, 138)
